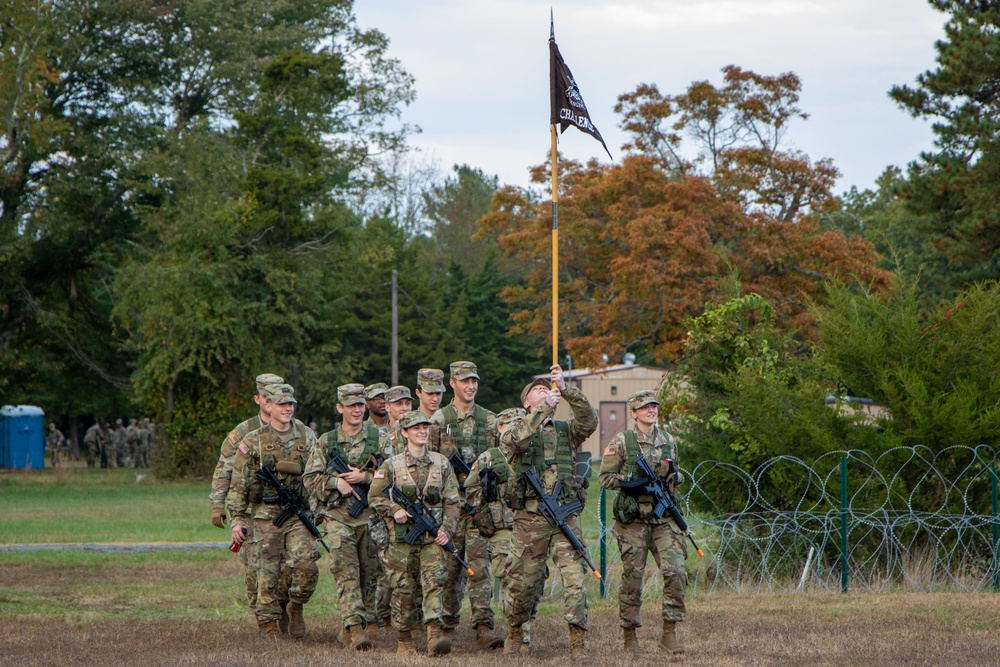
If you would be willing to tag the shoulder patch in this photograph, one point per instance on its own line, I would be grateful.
(379, 474)
(610, 451)
(232, 437)
(243, 448)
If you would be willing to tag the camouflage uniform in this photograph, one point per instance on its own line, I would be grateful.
(551, 445)
(468, 435)
(53, 442)
(250, 505)
(132, 444)
(116, 459)
(94, 440)
(637, 530)
(493, 519)
(428, 478)
(354, 541)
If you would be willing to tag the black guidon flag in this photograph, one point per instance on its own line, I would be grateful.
(567, 103)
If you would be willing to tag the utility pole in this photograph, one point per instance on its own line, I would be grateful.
(395, 331)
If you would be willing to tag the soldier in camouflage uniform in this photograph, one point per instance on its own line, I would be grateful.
(117, 446)
(637, 529)
(550, 446)
(284, 446)
(375, 402)
(222, 479)
(132, 444)
(354, 541)
(468, 430)
(53, 442)
(94, 440)
(398, 402)
(493, 519)
(430, 390)
(423, 476)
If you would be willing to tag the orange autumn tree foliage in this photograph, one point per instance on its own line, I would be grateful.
(651, 241)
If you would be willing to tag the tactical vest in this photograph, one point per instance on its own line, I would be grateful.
(287, 466)
(628, 509)
(478, 442)
(432, 495)
(371, 448)
(518, 490)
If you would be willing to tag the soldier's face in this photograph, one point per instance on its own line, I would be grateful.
(418, 435)
(376, 406)
(430, 401)
(647, 414)
(536, 395)
(281, 413)
(465, 389)
(399, 408)
(353, 414)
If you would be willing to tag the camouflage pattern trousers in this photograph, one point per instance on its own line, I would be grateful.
(475, 549)
(533, 540)
(248, 559)
(288, 545)
(353, 564)
(407, 564)
(499, 564)
(635, 541)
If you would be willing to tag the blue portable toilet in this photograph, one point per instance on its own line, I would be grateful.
(22, 437)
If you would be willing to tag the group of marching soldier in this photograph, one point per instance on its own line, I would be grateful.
(418, 506)
(118, 447)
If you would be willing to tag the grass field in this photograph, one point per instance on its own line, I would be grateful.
(188, 608)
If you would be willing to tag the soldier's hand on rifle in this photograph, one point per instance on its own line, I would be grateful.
(401, 516)
(557, 377)
(552, 400)
(345, 488)
(354, 477)
(442, 538)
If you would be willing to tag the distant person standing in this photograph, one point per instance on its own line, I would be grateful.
(638, 531)
(117, 445)
(94, 440)
(54, 442)
(133, 443)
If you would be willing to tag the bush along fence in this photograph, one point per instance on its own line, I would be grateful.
(908, 518)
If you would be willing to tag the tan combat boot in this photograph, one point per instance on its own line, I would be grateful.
(631, 640)
(269, 630)
(486, 640)
(514, 639)
(576, 648)
(283, 622)
(359, 640)
(296, 624)
(437, 642)
(669, 640)
(404, 643)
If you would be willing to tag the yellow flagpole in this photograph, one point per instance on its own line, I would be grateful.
(555, 252)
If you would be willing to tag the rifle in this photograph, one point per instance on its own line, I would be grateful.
(339, 465)
(664, 503)
(556, 514)
(460, 467)
(421, 522)
(291, 504)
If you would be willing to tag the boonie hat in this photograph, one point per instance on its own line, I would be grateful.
(350, 394)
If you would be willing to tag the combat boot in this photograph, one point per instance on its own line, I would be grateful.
(669, 640)
(283, 621)
(296, 624)
(486, 640)
(404, 643)
(515, 637)
(269, 630)
(359, 640)
(631, 640)
(576, 644)
(437, 642)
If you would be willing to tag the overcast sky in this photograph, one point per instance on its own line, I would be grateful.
(481, 69)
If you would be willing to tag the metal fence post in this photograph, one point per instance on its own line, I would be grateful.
(996, 529)
(602, 519)
(843, 524)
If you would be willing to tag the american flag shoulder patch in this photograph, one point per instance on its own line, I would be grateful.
(243, 448)
(379, 474)
(232, 437)
(610, 451)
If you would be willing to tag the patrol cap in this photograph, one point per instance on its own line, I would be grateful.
(430, 380)
(412, 418)
(373, 391)
(461, 370)
(280, 393)
(397, 393)
(350, 394)
(118, 422)
(265, 379)
(510, 414)
(537, 382)
(641, 399)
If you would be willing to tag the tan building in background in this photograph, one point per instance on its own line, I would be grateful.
(607, 388)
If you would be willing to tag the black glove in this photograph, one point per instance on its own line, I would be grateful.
(635, 487)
